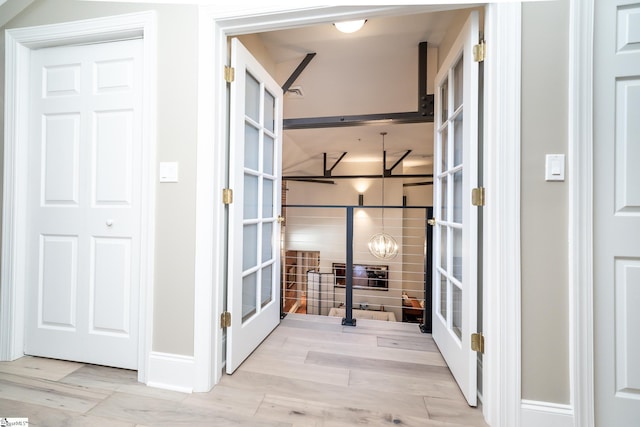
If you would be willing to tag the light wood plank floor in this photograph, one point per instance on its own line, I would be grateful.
(310, 371)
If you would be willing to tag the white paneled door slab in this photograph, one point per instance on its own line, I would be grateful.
(455, 235)
(84, 180)
(617, 213)
(253, 288)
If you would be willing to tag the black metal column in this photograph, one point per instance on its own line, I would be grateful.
(427, 319)
(348, 320)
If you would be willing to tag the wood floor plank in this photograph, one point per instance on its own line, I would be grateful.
(40, 367)
(425, 343)
(43, 416)
(49, 393)
(154, 412)
(375, 365)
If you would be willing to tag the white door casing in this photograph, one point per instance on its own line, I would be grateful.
(616, 212)
(253, 288)
(455, 238)
(84, 203)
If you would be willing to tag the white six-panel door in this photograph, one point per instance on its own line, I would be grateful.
(84, 180)
(617, 213)
(455, 233)
(253, 289)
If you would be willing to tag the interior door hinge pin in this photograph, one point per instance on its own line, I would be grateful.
(229, 74)
(227, 196)
(225, 320)
(479, 51)
(477, 196)
(477, 343)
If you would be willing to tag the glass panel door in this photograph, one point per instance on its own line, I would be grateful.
(254, 175)
(455, 234)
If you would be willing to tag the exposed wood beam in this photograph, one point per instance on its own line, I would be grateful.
(296, 73)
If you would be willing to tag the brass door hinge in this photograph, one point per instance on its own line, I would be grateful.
(280, 219)
(431, 222)
(479, 51)
(225, 319)
(227, 196)
(477, 343)
(229, 74)
(477, 196)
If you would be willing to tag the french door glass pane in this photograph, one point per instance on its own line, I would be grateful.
(267, 160)
(266, 285)
(458, 84)
(444, 100)
(443, 198)
(267, 241)
(252, 98)
(457, 197)
(249, 246)
(456, 262)
(443, 296)
(251, 147)
(249, 290)
(267, 198)
(443, 247)
(457, 140)
(269, 111)
(456, 308)
(250, 196)
(445, 153)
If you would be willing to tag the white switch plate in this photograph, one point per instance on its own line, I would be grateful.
(168, 171)
(554, 167)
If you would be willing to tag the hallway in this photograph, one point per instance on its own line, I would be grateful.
(311, 371)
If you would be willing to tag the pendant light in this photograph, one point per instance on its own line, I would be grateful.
(383, 245)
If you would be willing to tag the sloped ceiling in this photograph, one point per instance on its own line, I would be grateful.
(372, 71)
(9, 9)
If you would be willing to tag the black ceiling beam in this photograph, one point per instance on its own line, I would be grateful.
(296, 73)
(416, 184)
(320, 177)
(355, 120)
(315, 181)
(387, 172)
(327, 172)
(424, 114)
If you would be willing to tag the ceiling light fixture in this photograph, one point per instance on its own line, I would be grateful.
(350, 26)
(383, 245)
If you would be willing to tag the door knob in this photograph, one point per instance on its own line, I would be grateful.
(431, 221)
(109, 222)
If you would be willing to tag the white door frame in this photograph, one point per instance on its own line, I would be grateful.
(18, 45)
(580, 158)
(502, 165)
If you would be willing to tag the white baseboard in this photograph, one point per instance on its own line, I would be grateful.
(536, 414)
(170, 372)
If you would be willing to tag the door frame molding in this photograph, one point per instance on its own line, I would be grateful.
(502, 163)
(580, 158)
(18, 45)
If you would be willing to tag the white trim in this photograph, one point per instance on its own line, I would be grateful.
(501, 246)
(536, 414)
(502, 167)
(171, 371)
(19, 42)
(580, 162)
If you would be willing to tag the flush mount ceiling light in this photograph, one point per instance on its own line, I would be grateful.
(350, 26)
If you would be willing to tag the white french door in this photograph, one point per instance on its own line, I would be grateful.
(253, 288)
(84, 203)
(616, 214)
(455, 233)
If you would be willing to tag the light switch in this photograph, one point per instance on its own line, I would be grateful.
(168, 172)
(554, 168)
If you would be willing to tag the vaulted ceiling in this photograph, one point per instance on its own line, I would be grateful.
(374, 70)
